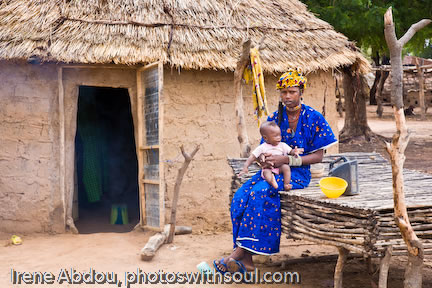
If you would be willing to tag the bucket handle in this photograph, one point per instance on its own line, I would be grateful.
(337, 160)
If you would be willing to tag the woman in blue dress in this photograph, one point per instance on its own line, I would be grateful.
(255, 208)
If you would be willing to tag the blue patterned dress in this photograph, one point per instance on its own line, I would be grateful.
(255, 208)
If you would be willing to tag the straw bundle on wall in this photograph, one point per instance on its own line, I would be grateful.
(204, 34)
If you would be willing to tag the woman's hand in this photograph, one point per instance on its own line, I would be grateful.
(272, 161)
(262, 161)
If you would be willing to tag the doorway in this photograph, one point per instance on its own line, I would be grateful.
(106, 168)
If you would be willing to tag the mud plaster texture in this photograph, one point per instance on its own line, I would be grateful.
(30, 194)
(29, 166)
(199, 110)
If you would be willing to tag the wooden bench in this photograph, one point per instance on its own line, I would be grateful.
(363, 223)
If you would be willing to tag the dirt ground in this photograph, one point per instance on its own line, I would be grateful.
(419, 150)
(119, 252)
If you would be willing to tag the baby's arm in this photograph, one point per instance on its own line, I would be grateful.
(246, 165)
(296, 151)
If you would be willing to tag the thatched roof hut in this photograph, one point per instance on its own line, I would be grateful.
(189, 34)
(65, 64)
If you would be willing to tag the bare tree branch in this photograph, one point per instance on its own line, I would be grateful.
(241, 121)
(412, 30)
(181, 172)
(390, 34)
(413, 273)
(186, 155)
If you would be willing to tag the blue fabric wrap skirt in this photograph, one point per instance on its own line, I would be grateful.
(256, 215)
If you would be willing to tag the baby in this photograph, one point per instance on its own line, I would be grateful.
(271, 134)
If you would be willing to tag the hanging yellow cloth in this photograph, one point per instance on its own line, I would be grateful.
(255, 73)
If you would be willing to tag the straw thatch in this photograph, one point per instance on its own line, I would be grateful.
(205, 34)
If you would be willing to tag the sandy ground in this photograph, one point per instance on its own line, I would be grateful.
(119, 253)
(419, 150)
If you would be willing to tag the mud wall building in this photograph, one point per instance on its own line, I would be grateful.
(46, 61)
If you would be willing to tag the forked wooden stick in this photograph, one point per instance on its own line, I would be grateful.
(181, 172)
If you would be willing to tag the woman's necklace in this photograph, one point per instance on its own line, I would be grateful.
(294, 109)
(293, 118)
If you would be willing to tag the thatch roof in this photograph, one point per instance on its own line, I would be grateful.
(205, 34)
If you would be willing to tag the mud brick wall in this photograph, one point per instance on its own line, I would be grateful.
(29, 183)
(30, 194)
(410, 89)
(199, 109)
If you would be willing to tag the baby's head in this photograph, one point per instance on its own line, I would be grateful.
(271, 133)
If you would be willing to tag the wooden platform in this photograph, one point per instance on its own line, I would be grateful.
(363, 223)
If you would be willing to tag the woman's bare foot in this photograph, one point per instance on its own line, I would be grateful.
(287, 187)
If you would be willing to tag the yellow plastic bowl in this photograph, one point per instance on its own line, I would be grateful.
(333, 187)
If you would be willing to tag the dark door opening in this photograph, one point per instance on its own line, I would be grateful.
(106, 162)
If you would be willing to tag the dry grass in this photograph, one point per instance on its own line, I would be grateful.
(205, 34)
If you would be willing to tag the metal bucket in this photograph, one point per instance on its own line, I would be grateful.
(347, 170)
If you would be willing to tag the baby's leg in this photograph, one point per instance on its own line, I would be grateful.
(286, 171)
(269, 177)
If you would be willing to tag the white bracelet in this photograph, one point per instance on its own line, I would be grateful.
(294, 161)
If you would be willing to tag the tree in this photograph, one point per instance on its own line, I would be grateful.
(427, 52)
(355, 91)
(413, 273)
(362, 21)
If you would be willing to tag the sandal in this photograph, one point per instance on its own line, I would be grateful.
(236, 266)
(221, 262)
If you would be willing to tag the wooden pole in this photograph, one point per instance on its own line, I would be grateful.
(153, 244)
(420, 75)
(384, 267)
(343, 254)
(339, 97)
(405, 68)
(140, 123)
(238, 75)
(371, 271)
(241, 124)
(181, 172)
(157, 240)
(67, 196)
(379, 90)
(413, 273)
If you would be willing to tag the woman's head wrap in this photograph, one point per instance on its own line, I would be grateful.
(291, 78)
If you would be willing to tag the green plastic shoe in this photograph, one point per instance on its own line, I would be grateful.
(119, 214)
